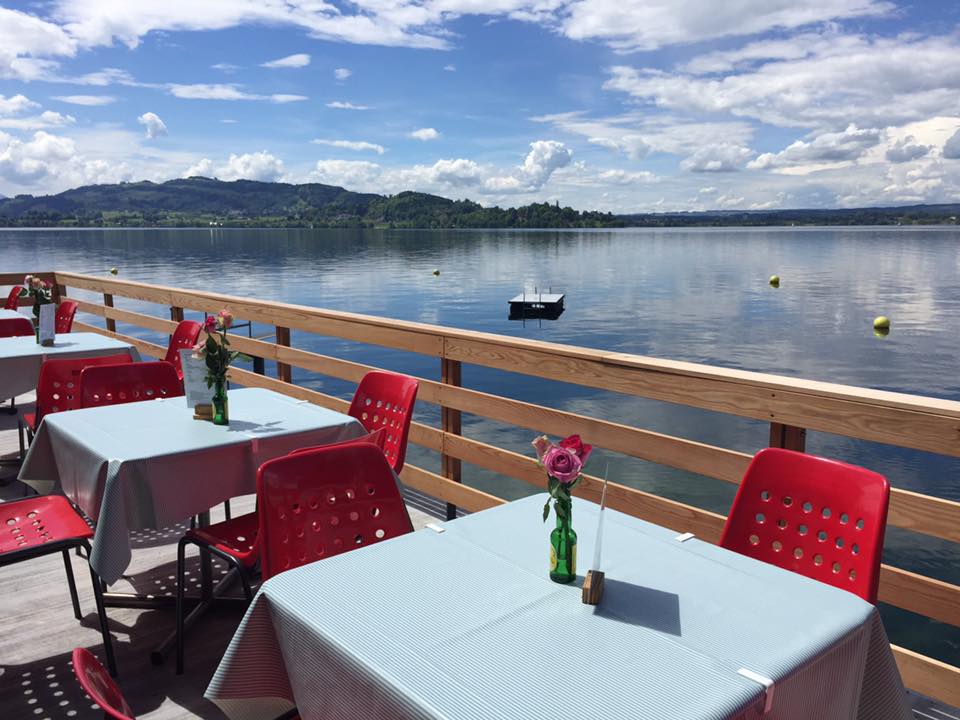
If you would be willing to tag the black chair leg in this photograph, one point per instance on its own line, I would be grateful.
(23, 447)
(226, 509)
(72, 583)
(181, 578)
(104, 628)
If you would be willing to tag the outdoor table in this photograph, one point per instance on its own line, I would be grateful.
(6, 314)
(150, 464)
(21, 357)
(465, 623)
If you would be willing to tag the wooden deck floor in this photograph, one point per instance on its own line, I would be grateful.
(38, 630)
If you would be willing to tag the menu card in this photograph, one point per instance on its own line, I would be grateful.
(195, 379)
(48, 325)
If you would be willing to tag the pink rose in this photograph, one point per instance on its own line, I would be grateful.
(210, 324)
(541, 445)
(225, 317)
(563, 464)
(577, 446)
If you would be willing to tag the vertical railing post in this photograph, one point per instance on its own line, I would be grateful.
(111, 323)
(176, 313)
(788, 437)
(450, 467)
(283, 370)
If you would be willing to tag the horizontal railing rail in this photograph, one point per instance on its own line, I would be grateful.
(790, 405)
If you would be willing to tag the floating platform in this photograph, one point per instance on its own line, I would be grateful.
(534, 305)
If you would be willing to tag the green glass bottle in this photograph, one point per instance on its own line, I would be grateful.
(563, 545)
(221, 404)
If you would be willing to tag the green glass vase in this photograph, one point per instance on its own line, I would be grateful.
(221, 403)
(563, 545)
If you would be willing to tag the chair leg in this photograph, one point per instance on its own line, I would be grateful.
(72, 583)
(181, 578)
(102, 615)
(226, 509)
(23, 447)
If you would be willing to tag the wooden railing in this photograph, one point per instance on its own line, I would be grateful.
(789, 405)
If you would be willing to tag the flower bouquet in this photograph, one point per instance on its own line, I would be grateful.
(563, 463)
(216, 353)
(42, 293)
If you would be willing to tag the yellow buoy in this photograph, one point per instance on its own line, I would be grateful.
(114, 271)
(775, 281)
(881, 323)
(436, 273)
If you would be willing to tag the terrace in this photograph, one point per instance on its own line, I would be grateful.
(39, 632)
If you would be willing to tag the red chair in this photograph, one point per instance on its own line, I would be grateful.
(310, 505)
(47, 524)
(13, 299)
(65, 312)
(16, 327)
(133, 382)
(385, 400)
(821, 518)
(185, 336)
(99, 686)
(58, 388)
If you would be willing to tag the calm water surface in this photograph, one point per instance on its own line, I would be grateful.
(696, 295)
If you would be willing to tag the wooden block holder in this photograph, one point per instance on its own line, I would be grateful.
(203, 412)
(593, 587)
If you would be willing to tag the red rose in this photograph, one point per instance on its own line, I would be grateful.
(576, 445)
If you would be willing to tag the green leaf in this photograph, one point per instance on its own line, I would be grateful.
(546, 510)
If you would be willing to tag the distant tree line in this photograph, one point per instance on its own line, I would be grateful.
(197, 201)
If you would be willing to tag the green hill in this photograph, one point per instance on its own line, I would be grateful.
(202, 201)
(246, 203)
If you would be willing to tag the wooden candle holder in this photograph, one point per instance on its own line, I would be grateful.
(203, 412)
(593, 587)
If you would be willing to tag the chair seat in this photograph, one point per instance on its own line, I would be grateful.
(38, 520)
(30, 420)
(236, 537)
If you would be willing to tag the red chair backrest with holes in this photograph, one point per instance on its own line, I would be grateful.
(817, 517)
(58, 388)
(323, 502)
(98, 684)
(134, 382)
(185, 336)
(13, 298)
(385, 400)
(16, 327)
(65, 312)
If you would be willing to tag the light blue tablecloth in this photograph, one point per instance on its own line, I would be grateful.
(150, 464)
(11, 314)
(465, 624)
(21, 357)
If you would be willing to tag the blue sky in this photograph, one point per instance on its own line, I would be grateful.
(621, 105)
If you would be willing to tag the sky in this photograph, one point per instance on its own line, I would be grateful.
(615, 105)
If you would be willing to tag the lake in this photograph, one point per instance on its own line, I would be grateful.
(699, 295)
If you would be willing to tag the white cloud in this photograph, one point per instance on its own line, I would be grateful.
(203, 168)
(425, 134)
(629, 25)
(906, 149)
(359, 145)
(826, 148)
(342, 73)
(46, 119)
(951, 148)
(252, 166)
(450, 68)
(16, 104)
(625, 177)
(544, 158)
(872, 82)
(351, 174)
(228, 68)
(86, 100)
(457, 173)
(338, 105)
(298, 60)
(725, 157)
(155, 127)
(25, 39)
(225, 91)
(51, 162)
